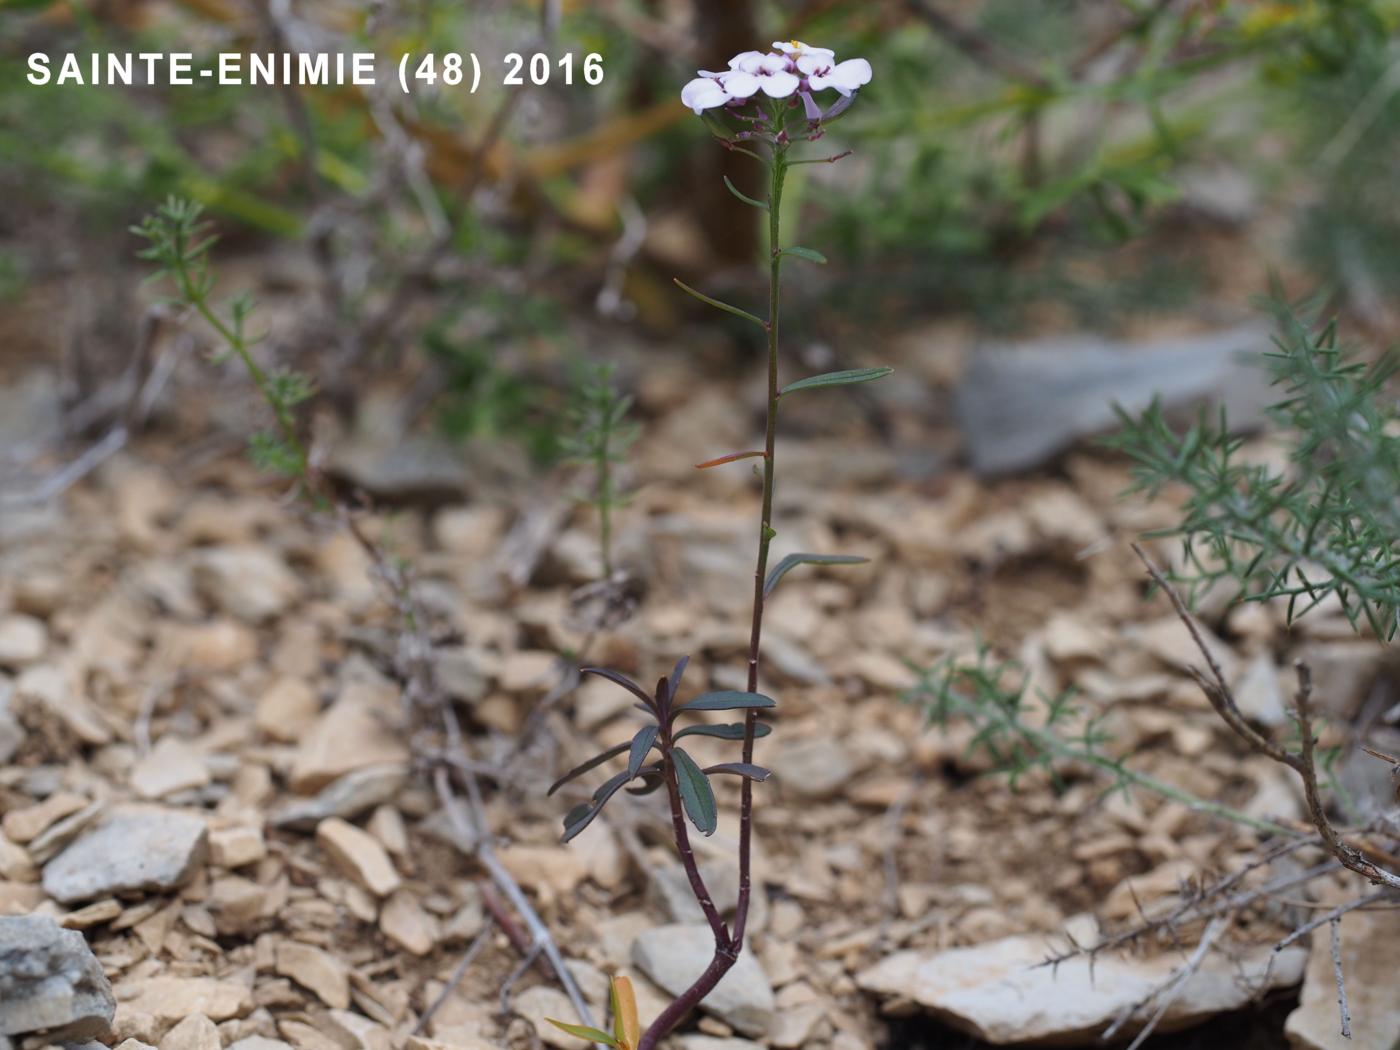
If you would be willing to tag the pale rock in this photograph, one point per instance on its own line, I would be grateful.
(248, 582)
(598, 701)
(471, 532)
(304, 1037)
(674, 956)
(51, 982)
(463, 674)
(541, 1002)
(1259, 693)
(404, 922)
(260, 1042)
(133, 1044)
(236, 904)
(236, 847)
(168, 999)
(95, 914)
(386, 824)
(15, 862)
(710, 1042)
(137, 848)
(57, 691)
(1370, 945)
(458, 1042)
(195, 1032)
(317, 971)
(23, 640)
(883, 670)
(1342, 674)
(556, 869)
(603, 856)
(1170, 642)
(287, 710)
(356, 1032)
(173, 765)
(999, 992)
(358, 855)
(44, 846)
(22, 825)
(814, 768)
(355, 732)
(224, 645)
(528, 672)
(347, 797)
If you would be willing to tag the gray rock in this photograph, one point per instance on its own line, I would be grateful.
(1020, 405)
(348, 797)
(51, 982)
(1370, 943)
(1001, 993)
(137, 848)
(813, 768)
(674, 956)
(11, 732)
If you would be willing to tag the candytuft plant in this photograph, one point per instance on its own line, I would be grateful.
(762, 106)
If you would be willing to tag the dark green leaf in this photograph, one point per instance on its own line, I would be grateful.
(650, 779)
(600, 799)
(743, 196)
(696, 793)
(593, 1035)
(622, 680)
(810, 254)
(719, 305)
(792, 561)
(741, 769)
(727, 731)
(726, 700)
(846, 378)
(592, 763)
(641, 747)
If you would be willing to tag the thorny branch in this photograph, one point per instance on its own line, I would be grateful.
(1304, 763)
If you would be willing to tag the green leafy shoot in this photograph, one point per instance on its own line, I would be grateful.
(178, 242)
(1019, 733)
(792, 561)
(1323, 526)
(600, 438)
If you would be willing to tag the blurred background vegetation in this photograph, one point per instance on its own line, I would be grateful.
(1021, 168)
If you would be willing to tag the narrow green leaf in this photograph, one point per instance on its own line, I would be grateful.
(719, 305)
(592, 763)
(726, 700)
(744, 196)
(741, 769)
(583, 818)
(727, 731)
(792, 561)
(593, 1035)
(641, 747)
(622, 680)
(810, 254)
(845, 378)
(696, 793)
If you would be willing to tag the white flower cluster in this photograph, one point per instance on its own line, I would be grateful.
(792, 67)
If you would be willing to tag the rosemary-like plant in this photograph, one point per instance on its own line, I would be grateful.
(599, 441)
(178, 243)
(1322, 527)
(760, 107)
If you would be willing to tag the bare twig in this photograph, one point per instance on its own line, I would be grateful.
(1339, 978)
(455, 978)
(1167, 994)
(1304, 763)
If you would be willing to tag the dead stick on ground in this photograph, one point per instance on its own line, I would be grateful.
(1337, 975)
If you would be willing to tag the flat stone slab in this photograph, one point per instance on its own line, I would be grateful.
(51, 982)
(999, 992)
(674, 956)
(137, 848)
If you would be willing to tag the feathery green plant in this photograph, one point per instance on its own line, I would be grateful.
(178, 243)
(599, 440)
(1322, 527)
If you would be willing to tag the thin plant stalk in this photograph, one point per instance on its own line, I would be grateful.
(728, 944)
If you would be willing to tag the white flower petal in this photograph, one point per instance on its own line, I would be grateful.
(748, 61)
(787, 47)
(703, 93)
(845, 77)
(742, 85)
(774, 64)
(780, 85)
(809, 64)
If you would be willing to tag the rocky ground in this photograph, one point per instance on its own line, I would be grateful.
(212, 780)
